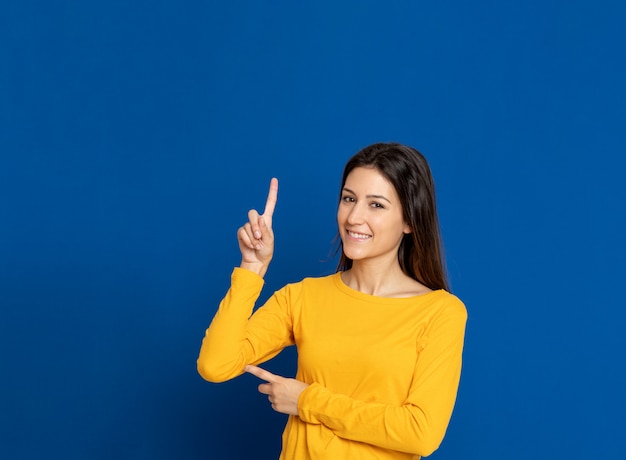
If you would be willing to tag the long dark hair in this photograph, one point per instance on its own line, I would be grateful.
(421, 252)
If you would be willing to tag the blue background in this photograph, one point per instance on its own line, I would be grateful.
(135, 135)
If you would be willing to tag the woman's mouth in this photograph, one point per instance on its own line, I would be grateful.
(358, 236)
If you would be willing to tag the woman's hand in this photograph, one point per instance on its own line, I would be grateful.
(256, 238)
(282, 393)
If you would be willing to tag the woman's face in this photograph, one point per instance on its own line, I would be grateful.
(369, 217)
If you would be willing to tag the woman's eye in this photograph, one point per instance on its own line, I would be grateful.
(376, 205)
(348, 199)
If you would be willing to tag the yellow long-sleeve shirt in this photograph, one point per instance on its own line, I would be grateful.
(383, 372)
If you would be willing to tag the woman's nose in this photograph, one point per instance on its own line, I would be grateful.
(356, 215)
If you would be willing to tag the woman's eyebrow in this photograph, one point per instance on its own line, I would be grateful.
(378, 197)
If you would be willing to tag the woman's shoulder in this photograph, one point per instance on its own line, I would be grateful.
(311, 284)
(448, 303)
(316, 282)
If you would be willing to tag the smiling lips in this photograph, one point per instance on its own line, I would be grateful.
(358, 236)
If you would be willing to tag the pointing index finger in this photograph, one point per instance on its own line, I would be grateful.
(272, 197)
(261, 373)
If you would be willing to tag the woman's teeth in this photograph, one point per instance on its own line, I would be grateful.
(360, 236)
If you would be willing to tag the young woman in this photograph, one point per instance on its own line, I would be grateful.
(379, 342)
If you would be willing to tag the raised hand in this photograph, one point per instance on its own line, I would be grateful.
(256, 238)
(282, 393)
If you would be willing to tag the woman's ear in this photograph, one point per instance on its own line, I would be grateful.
(407, 229)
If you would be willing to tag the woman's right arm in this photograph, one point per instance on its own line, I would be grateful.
(227, 345)
(235, 339)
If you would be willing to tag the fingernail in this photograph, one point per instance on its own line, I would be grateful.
(257, 234)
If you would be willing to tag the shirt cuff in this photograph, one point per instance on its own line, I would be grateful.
(248, 277)
(306, 403)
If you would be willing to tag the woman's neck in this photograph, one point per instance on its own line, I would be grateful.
(382, 280)
(374, 279)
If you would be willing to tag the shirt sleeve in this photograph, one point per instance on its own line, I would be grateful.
(237, 337)
(417, 426)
